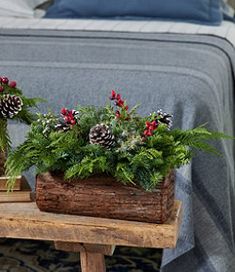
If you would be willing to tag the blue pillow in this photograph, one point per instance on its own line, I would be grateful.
(206, 11)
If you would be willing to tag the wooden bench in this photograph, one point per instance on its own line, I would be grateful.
(92, 237)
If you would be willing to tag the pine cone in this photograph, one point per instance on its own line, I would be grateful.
(62, 126)
(101, 134)
(10, 105)
(164, 118)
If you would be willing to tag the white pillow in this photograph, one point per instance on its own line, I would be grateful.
(228, 9)
(231, 3)
(19, 8)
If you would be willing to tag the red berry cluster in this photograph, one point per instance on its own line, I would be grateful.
(4, 81)
(119, 102)
(150, 127)
(69, 116)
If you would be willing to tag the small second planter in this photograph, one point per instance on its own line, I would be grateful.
(103, 196)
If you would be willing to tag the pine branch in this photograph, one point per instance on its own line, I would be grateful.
(145, 158)
(5, 141)
(124, 174)
(143, 176)
(18, 161)
(32, 102)
(134, 159)
(25, 116)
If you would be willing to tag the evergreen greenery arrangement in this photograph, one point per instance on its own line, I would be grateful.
(13, 105)
(113, 140)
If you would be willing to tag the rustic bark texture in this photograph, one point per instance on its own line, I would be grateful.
(25, 221)
(102, 196)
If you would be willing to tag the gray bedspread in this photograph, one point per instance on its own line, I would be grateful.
(189, 76)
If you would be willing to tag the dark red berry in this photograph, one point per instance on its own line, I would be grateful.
(148, 124)
(5, 80)
(148, 133)
(70, 114)
(64, 111)
(154, 125)
(1, 89)
(120, 103)
(118, 115)
(73, 122)
(118, 97)
(12, 84)
(67, 119)
(113, 95)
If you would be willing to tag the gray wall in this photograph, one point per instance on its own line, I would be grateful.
(232, 3)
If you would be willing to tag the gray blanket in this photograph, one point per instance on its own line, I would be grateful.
(189, 76)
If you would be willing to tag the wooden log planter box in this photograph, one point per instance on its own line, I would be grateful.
(102, 196)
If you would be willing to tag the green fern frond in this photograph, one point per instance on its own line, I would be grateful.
(145, 158)
(124, 174)
(155, 178)
(187, 137)
(205, 147)
(87, 167)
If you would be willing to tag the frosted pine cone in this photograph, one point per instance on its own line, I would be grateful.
(101, 134)
(62, 126)
(10, 105)
(164, 118)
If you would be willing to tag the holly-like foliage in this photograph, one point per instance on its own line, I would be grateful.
(144, 150)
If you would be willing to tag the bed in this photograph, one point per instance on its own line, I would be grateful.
(183, 68)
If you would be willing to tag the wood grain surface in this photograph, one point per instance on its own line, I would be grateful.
(91, 248)
(4, 180)
(92, 262)
(24, 220)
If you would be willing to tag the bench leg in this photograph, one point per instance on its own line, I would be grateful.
(91, 256)
(92, 262)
